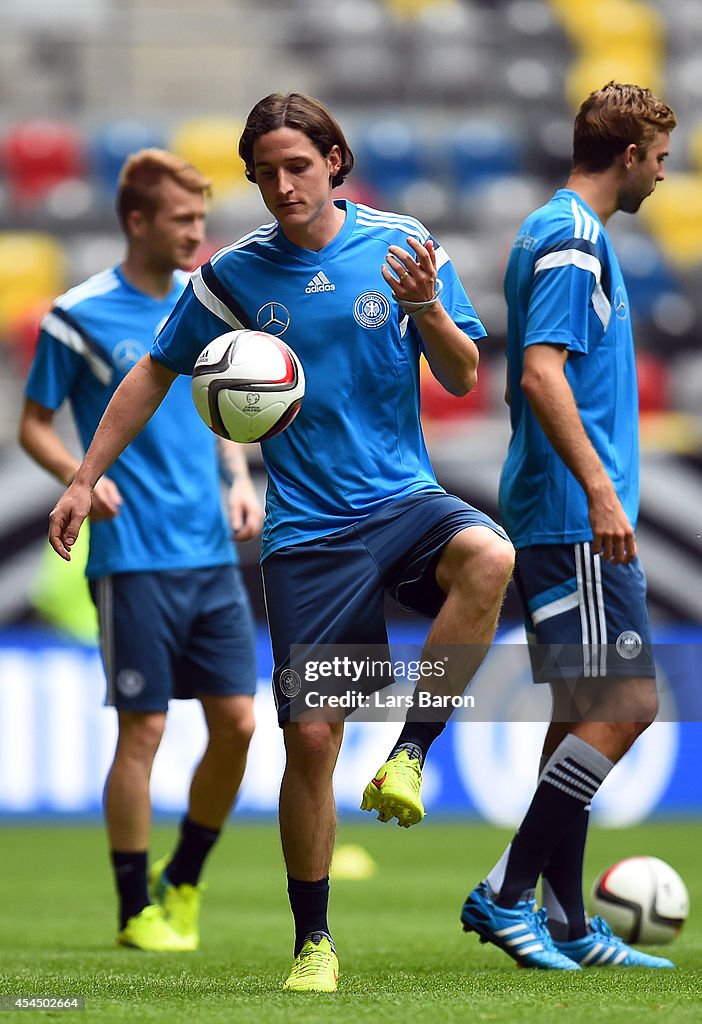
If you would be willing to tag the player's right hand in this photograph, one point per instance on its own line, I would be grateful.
(612, 534)
(67, 518)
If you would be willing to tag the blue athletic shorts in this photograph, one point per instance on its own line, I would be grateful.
(585, 617)
(332, 590)
(175, 634)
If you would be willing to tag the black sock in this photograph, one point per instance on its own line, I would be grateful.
(416, 738)
(567, 784)
(187, 862)
(130, 880)
(308, 902)
(562, 882)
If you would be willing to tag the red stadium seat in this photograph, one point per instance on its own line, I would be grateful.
(438, 404)
(653, 381)
(38, 156)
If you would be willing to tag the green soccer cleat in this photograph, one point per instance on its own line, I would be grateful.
(395, 792)
(180, 903)
(316, 968)
(149, 930)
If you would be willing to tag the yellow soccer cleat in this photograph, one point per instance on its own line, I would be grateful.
(180, 903)
(316, 968)
(149, 930)
(395, 792)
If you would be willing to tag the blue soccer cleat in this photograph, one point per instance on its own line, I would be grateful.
(600, 948)
(519, 931)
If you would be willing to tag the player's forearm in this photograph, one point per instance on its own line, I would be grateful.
(42, 443)
(233, 457)
(556, 411)
(452, 356)
(130, 408)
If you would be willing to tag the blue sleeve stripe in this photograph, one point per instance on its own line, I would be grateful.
(63, 328)
(210, 291)
(581, 244)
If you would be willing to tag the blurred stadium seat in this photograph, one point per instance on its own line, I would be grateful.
(593, 70)
(32, 268)
(113, 142)
(389, 154)
(594, 25)
(653, 381)
(439, 405)
(695, 146)
(210, 143)
(358, 71)
(614, 39)
(21, 333)
(409, 9)
(501, 203)
(647, 275)
(674, 216)
(89, 253)
(481, 149)
(38, 155)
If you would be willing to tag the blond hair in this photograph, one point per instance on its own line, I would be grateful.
(141, 176)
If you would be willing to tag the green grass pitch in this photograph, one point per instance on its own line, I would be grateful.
(402, 951)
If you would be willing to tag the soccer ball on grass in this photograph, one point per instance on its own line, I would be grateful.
(643, 899)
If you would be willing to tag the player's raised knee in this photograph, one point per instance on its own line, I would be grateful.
(476, 555)
(313, 743)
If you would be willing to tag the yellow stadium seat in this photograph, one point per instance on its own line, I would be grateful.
(210, 144)
(32, 268)
(674, 216)
(621, 64)
(599, 22)
(408, 9)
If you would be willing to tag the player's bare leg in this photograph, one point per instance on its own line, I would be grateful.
(307, 806)
(128, 818)
(216, 780)
(307, 831)
(175, 880)
(474, 570)
(127, 800)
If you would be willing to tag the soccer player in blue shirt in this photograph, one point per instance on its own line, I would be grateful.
(173, 613)
(569, 501)
(353, 507)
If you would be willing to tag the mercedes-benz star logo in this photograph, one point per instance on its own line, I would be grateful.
(273, 318)
(620, 306)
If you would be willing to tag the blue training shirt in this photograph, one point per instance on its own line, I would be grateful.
(171, 516)
(357, 441)
(564, 287)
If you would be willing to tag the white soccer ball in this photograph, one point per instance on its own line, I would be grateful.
(642, 899)
(248, 386)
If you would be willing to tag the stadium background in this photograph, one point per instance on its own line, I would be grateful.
(459, 113)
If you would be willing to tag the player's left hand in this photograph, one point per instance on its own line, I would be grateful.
(411, 277)
(245, 512)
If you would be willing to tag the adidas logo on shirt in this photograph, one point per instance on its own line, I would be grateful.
(320, 283)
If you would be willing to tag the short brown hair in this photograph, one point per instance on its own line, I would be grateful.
(614, 117)
(142, 174)
(305, 114)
